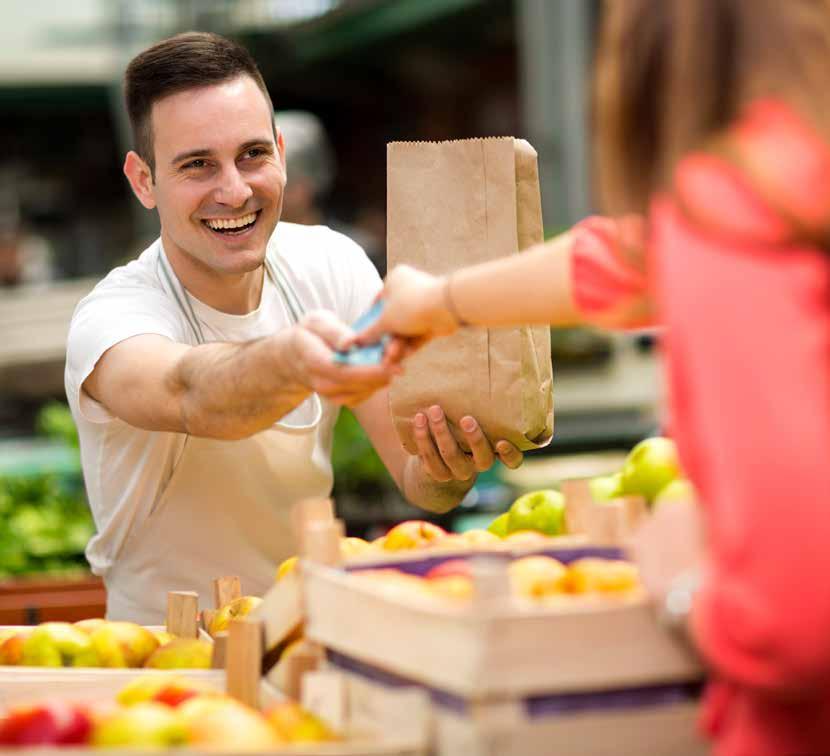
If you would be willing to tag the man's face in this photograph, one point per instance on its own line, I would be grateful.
(219, 175)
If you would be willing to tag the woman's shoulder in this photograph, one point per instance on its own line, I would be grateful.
(767, 179)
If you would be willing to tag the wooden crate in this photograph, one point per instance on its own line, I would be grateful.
(485, 650)
(642, 724)
(29, 601)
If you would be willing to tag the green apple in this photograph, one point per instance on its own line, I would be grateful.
(650, 465)
(147, 724)
(680, 489)
(182, 653)
(58, 644)
(543, 511)
(123, 644)
(606, 487)
(499, 525)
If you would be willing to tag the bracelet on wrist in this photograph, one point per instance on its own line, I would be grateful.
(450, 304)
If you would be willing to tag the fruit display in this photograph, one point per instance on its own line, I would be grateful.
(101, 643)
(536, 577)
(160, 712)
(238, 607)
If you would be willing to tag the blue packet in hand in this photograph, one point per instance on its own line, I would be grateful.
(369, 354)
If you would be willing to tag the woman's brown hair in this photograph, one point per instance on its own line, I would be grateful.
(672, 75)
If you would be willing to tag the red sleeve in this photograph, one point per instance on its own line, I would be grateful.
(608, 272)
(748, 360)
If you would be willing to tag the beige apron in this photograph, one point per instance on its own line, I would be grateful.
(226, 508)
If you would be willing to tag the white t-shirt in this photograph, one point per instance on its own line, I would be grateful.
(126, 468)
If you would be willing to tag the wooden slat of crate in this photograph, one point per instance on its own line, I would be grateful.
(28, 601)
(480, 653)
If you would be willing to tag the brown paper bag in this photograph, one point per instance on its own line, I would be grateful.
(450, 205)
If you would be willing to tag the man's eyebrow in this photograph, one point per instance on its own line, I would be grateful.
(200, 152)
(206, 152)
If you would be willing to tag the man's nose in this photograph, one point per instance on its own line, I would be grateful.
(233, 189)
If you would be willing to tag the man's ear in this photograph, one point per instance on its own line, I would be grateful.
(281, 146)
(141, 179)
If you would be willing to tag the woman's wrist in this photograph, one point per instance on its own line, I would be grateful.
(450, 304)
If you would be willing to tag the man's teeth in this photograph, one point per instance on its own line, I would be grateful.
(231, 222)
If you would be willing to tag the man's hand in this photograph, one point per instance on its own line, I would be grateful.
(444, 460)
(317, 336)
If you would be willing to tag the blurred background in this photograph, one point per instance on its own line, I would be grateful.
(346, 77)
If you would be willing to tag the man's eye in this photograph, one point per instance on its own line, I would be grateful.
(198, 163)
(254, 152)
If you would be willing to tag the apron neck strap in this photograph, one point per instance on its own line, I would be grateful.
(173, 286)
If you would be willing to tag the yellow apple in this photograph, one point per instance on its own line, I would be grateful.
(537, 576)
(593, 575)
(11, 649)
(222, 722)
(286, 567)
(182, 653)
(59, 644)
(353, 546)
(526, 538)
(294, 724)
(167, 689)
(162, 636)
(239, 607)
(123, 644)
(148, 725)
(413, 534)
(90, 625)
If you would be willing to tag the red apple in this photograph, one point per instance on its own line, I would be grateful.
(412, 534)
(50, 723)
(450, 567)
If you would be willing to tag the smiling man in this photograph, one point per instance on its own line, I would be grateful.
(200, 375)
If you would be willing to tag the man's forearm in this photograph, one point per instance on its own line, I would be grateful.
(232, 391)
(423, 491)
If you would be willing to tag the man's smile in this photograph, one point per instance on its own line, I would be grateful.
(233, 226)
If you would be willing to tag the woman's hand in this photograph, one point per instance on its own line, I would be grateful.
(415, 311)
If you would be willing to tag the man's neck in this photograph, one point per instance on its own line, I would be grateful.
(235, 294)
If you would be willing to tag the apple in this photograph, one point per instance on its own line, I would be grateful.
(167, 689)
(123, 644)
(90, 625)
(182, 653)
(162, 636)
(499, 526)
(239, 607)
(537, 576)
(594, 575)
(352, 546)
(452, 586)
(59, 644)
(606, 487)
(412, 534)
(222, 722)
(147, 724)
(450, 567)
(526, 538)
(50, 723)
(679, 489)
(543, 511)
(471, 539)
(379, 542)
(11, 649)
(294, 724)
(286, 567)
(650, 465)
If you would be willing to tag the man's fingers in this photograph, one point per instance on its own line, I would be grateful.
(509, 455)
(326, 326)
(454, 458)
(427, 451)
(483, 456)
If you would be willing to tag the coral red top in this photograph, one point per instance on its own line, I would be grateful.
(744, 297)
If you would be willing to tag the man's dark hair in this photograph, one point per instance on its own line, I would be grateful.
(186, 61)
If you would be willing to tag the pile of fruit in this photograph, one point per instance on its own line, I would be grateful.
(99, 643)
(651, 470)
(162, 711)
(532, 577)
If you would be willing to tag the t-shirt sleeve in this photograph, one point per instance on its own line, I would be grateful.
(608, 272)
(108, 316)
(357, 279)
